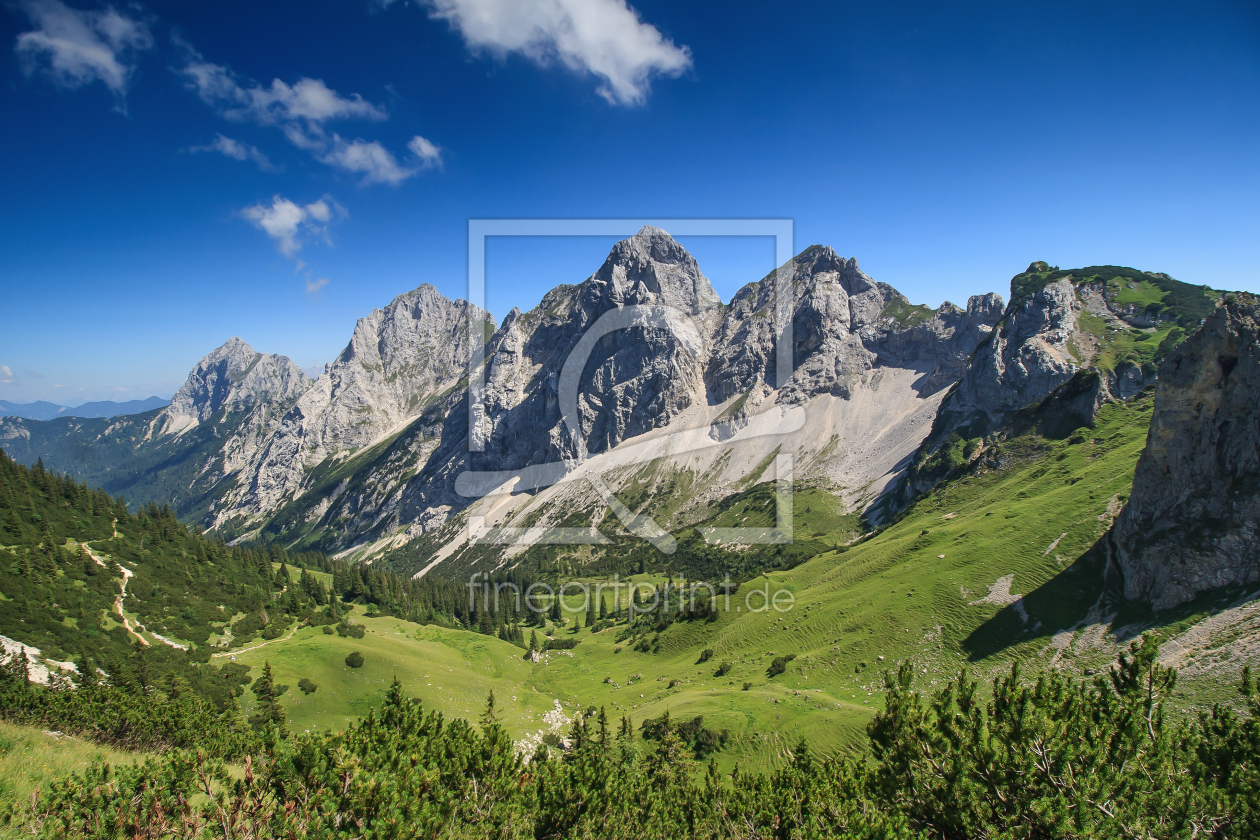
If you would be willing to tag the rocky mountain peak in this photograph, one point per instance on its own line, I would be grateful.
(1193, 520)
(409, 327)
(989, 307)
(234, 377)
(400, 361)
(650, 267)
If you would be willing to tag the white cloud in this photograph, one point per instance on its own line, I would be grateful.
(602, 37)
(313, 286)
(237, 150)
(7, 376)
(373, 161)
(426, 152)
(75, 47)
(307, 100)
(301, 110)
(290, 225)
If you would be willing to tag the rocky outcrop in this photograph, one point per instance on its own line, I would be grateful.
(1192, 522)
(1028, 356)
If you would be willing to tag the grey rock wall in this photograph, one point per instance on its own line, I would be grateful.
(1193, 520)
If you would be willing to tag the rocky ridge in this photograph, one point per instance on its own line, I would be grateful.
(368, 456)
(702, 363)
(400, 361)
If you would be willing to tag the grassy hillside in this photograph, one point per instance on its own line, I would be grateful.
(456, 669)
(937, 587)
(30, 757)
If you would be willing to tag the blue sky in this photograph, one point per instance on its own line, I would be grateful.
(175, 174)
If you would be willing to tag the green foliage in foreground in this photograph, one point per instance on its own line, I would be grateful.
(151, 714)
(1057, 758)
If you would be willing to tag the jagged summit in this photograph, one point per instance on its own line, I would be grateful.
(651, 268)
(232, 378)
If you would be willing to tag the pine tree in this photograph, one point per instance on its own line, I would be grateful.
(489, 717)
(269, 713)
(143, 676)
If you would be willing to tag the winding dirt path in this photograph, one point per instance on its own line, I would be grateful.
(122, 595)
(257, 646)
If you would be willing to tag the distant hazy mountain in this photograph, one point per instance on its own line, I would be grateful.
(43, 410)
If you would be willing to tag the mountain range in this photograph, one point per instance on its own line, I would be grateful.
(673, 413)
(44, 410)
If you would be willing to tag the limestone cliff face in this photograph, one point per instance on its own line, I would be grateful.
(1193, 520)
(634, 379)
(1027, 357)
(241, 395)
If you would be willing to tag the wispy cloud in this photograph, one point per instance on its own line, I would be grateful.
(427, 153)
(313, 286)
(7, 376)
(373, 161)
(291, 225)
(75, 47)
(603, 37)
(301, 111)
(237, 150)
(306, 101)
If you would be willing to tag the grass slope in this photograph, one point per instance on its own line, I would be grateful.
(453, 669)
(31, 757)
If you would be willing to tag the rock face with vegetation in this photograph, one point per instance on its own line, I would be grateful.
(1069, 341)
(1192, 522)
